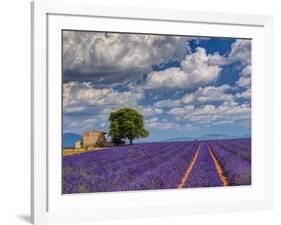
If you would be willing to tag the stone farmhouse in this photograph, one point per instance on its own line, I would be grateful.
(93, 138)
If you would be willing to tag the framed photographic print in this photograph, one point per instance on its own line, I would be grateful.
(145, 112)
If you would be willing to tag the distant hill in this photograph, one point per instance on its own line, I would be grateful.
(207, 137)
(180, 139)
(69, 139)
(216, 136)
(246, 136)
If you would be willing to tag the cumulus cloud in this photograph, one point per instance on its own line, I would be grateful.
(78, 96)
(200, 68)
(240, 51)
(80, 124)
(212, 114)
(245, 77)
(208, 94)
(195, 70)
(168, 103)
(245, 94)
(182, 110)
(244, 82)
(200, 96)
(149, 110)
(162, 125)
(224, 112)
(97, 53)
(246, 72)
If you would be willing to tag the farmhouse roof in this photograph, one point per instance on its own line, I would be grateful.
(92, 131)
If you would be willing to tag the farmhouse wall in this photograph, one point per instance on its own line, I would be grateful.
(78, 144)
(93, 139)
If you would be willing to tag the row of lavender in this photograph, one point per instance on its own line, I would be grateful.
(235, 159)
(155, 166)
(137, 167)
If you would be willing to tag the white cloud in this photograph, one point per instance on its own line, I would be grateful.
(81, 124)
(199, 68)
(94, 52)
(200, 61)
(246, 94)
(162, 125)
(196, 69)
(151, 120)
(245, 77)
(74, 109)
(208, 94)
(149, 110)
(168, 103)
(240, 51)
(246, 72)
(170, 78)
(201, 95)
(182, 110)
(244, 82)
(227, 112)
(80, 95)
(224, 112)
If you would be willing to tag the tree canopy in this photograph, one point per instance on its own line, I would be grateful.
(128, 124)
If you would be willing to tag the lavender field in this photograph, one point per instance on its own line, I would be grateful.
(165, 165)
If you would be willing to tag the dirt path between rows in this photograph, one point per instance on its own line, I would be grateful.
(189, 168)
(218, 167)
(224, 179)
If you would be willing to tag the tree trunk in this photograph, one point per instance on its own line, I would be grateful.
(131, 141)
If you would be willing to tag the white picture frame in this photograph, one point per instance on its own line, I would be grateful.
(48, 205)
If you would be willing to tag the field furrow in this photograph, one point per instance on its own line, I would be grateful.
(189, 168)
(204, 172)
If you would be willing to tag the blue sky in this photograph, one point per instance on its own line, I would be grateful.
(183, 85)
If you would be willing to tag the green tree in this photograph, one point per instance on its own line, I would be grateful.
(128, 124)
